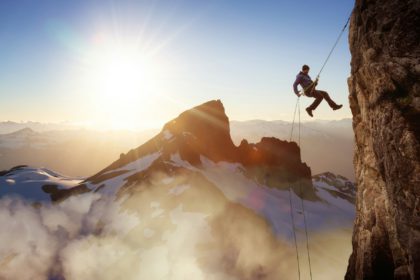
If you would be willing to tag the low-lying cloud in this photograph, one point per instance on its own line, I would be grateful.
(154, 232)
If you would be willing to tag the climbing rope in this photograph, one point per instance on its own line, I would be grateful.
(332, 49)
(294, 232)
(303, 207)
(293, 123)
(297, 109)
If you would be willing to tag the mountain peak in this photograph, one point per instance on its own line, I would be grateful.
(204, 130)
(203, 133)
(24, 131)
(207, 115)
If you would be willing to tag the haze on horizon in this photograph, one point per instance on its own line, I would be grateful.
(138, 64)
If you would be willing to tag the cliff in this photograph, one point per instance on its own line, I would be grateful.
(385, 103)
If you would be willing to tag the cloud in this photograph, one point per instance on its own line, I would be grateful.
(28, 246)
(149, 232)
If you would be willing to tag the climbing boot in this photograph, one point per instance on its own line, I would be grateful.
(309, 111)
(336, 107)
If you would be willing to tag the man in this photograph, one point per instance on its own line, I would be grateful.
(308, 86)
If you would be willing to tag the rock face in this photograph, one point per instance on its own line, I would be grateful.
(385, 102)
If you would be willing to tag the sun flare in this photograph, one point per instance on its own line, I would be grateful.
(122, 73)
(121, 84)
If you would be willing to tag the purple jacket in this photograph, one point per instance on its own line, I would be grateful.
(303, 80)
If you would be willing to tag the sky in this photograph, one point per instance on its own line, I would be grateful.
(138, 64)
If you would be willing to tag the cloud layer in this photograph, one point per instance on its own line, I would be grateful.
(154, 231)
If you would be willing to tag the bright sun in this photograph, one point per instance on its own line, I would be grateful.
(122, 83)
(121, 73)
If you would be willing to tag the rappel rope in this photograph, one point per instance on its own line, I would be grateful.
(303, 206)
(290, 201)
(297, 108)
(332, 49)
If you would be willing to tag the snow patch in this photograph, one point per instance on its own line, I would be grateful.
(167, 180)
(176, 160)
(167, 135)
(139, 164)
(27, 182)
(10, 181)
(111, 186)
(178, 189)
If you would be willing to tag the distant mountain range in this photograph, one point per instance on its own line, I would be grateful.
(326, 145)
(75, 152)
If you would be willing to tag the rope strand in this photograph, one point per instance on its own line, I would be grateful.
(297, 108)
(306, 234)
(303, 209)
(332, 49)
(290, 199)
(293, 123)
(294, 232)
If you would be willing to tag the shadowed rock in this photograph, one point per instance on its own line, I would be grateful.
(385, 103)
(58, 195)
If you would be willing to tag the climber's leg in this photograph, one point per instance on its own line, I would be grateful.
(327, 97)
(318, 98)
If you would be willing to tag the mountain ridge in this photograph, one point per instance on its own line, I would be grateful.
(204, 131)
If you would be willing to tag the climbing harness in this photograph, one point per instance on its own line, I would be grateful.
(297, 109)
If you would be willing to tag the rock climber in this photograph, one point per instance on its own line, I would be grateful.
(308, 86)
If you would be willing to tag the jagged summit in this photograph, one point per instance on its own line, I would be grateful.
(207, 122)
(203, 133)
(202, 130)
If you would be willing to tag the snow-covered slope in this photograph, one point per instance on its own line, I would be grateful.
(329, 202)
(33, 183)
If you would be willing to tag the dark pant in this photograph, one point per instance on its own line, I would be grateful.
(319, 95)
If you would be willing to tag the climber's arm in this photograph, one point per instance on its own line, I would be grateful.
(295, 86)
